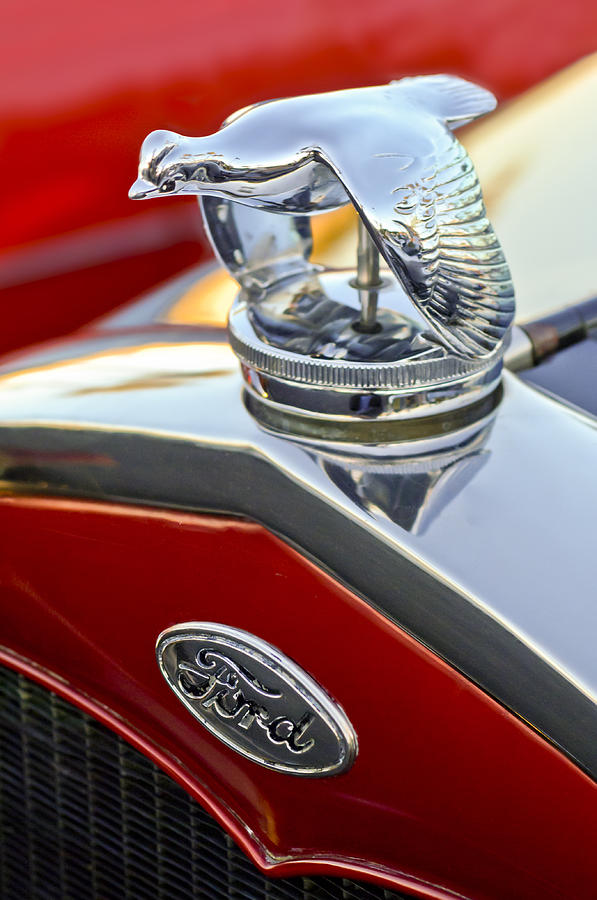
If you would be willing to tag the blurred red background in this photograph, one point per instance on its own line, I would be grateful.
(83, 83)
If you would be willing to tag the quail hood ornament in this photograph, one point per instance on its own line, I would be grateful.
(422, 323)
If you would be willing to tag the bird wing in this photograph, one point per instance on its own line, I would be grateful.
(426, 215)
(453, 100)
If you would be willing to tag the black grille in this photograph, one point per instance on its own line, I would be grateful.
(85, 815)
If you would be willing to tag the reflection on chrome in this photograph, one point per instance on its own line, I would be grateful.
(133, 368)
(410, 491)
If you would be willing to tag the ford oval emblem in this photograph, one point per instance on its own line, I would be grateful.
(255, 699)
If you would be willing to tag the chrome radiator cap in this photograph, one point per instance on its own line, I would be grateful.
(416, 332)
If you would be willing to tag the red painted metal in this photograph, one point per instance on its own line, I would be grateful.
(82, 84)
(449, 790)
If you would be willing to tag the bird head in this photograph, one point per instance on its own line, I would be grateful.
(159, 166)
(170, 164)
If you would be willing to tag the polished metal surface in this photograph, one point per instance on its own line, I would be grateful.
(367, 281)
(334, 378)
(391, 152)
(479, 542)
(256, 700)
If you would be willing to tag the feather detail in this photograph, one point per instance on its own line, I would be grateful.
(465, 288)
(471, 295)
(435, 235)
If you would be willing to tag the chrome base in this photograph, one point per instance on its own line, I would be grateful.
(310, 369)
(388, 430)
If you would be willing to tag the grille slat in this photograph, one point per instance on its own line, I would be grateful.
(85, 816)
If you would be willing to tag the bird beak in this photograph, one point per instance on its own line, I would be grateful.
(141, 189)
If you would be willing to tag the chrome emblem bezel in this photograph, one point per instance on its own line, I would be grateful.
(256, 700)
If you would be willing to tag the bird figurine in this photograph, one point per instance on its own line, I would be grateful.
(391, 151)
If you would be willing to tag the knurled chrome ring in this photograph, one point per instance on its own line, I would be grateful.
(405, 375)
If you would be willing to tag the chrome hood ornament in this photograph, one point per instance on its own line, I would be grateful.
(255, 699)
(434, 315)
